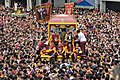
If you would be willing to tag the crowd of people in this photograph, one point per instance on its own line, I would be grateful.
(20, 58)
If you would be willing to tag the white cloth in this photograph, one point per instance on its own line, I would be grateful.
(46, 43)
(66, 64)
(71, 78)
(81, 37)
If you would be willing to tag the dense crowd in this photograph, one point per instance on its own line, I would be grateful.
(19, 37)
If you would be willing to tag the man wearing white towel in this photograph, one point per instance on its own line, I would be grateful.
(82, 39)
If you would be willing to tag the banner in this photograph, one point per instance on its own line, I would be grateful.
(69, 8)
(43, 12)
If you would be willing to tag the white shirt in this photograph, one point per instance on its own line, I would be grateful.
(81, 37)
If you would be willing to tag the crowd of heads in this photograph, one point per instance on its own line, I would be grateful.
(20, 36)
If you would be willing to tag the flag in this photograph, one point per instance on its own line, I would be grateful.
(69, 8)
(43, 12)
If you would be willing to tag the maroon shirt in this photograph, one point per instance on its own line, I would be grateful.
(55, 38)
(40, 44)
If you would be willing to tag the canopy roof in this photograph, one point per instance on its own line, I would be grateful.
(84, 4)
(62, 19)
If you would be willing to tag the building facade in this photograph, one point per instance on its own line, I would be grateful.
(103, 5)
(106, 5)
(29, 4)
(32, 3)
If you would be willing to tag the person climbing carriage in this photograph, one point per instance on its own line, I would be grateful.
(69, 38)
(54, 38)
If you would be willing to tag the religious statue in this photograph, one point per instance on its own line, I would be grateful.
(15, 4)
